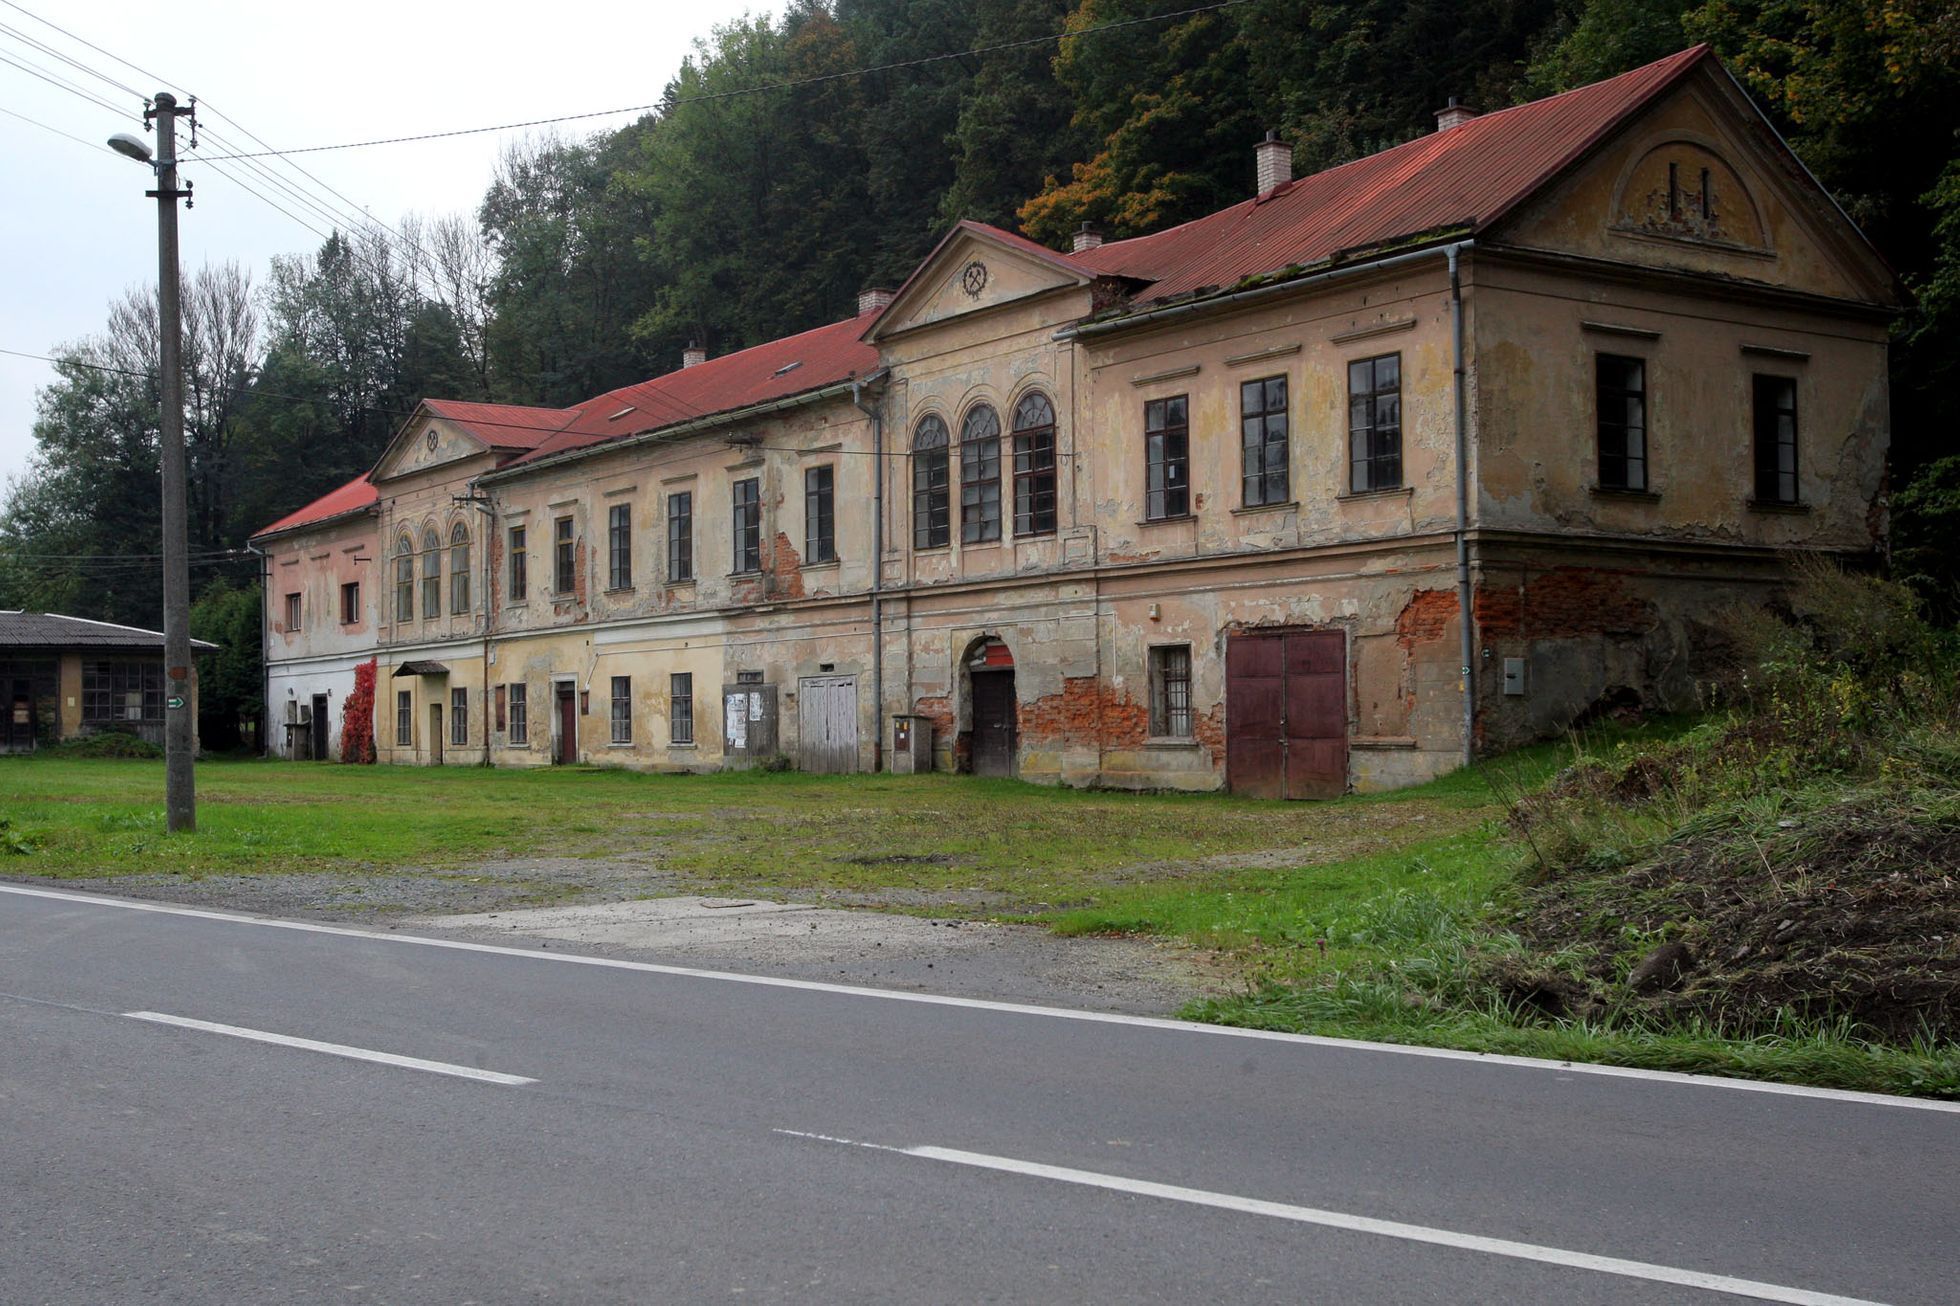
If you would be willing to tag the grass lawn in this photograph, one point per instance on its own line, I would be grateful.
(1028, 848)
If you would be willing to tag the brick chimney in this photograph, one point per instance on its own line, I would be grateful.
(872, 299)
(1275, 159)
(1453, 115)
(693, 355)
(1086, 237)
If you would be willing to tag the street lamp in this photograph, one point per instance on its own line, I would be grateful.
(180, 795)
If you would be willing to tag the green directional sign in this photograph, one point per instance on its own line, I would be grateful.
(173, 701)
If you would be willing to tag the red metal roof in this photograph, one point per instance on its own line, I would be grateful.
(356, 494)
(503, 426)
(1467, 177)
(777, 370)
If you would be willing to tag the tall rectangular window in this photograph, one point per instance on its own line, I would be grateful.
(1263, 475)
(566, 559)
(404, 580)
(459, 716)
(520, 720)
(820, 514)
(748, 525)
(980, 476)
(431, 576)
(350, 603)
(680, 536)
(680, 708)
(404, 718)
(1034, 465)
(622, 709)
(619, 542)
(1776, 439)
(459, 568)
(292, 612)
(1167, 458)
(519, 577)
(1375, 424)
(1622, 399)
(1170, 691)
(931, 485)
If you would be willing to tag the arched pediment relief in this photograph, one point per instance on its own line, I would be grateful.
(1682, 189)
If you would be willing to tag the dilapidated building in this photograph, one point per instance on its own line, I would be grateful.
(1421, 456)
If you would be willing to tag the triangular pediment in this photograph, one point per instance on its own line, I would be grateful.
(974, 269)
(426, 441)
(1698, 182)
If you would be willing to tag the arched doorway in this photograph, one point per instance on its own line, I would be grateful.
(989, 672)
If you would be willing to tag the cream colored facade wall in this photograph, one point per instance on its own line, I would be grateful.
(1594, 596)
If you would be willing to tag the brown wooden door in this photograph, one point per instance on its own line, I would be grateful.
(17, 731)
(1286, 714)
(995, 721)
(435, 734)
(567, 725)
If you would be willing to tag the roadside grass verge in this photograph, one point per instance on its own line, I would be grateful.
(930, 843)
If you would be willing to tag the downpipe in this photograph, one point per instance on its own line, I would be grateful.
(1463, 589)
(876, 414)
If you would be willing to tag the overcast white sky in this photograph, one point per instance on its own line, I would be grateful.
(76, 230)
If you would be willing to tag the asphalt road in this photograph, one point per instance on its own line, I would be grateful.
(651, 1134)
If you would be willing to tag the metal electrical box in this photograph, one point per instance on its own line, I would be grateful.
(748, 721)
(911, 745)
(1514, 676)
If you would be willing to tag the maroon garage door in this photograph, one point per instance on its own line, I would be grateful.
(1286, 714)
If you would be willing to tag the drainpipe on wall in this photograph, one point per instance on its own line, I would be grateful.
(877, 575)
(265, 649)
(1463, 591)
(483, 503)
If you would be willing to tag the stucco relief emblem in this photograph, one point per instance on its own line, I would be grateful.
(1683, 190)
(432, 441)
(974, 279)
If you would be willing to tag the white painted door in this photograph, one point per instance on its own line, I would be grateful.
(827, 724)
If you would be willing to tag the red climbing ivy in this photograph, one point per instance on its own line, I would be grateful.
(357, 721)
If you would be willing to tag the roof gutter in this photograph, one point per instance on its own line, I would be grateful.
(1256, 293)
(835, 390)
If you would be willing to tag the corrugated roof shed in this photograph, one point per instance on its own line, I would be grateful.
(51, 630)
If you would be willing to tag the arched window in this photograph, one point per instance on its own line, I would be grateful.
(431, 574)
(459, 568)
(1034, 465)
(931, 508)
(980, 475)
(405, 578)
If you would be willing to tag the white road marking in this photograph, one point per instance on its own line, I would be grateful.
(1016, 1008)
(331, 1049)
(1419, 1233)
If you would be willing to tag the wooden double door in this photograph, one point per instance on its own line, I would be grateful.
(1286, 729)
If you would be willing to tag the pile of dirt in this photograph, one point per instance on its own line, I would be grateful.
(1848, 911)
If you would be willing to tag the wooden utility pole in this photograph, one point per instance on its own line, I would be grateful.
(180, 792)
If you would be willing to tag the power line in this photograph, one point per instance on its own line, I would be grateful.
(90, 44)
(35, 122)
(705, 97)
(63, 84)
(45, 48)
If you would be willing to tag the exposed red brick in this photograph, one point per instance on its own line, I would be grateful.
(784, 569)
(1086, 712)
(1425, 618)
(1563, 602)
